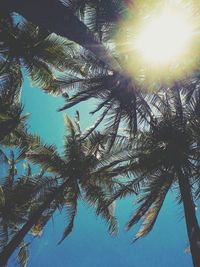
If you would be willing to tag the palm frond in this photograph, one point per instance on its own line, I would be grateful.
(23, 255)
(71, 211)
(48, 158)
(151, 201)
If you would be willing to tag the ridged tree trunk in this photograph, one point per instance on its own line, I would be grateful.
(53, 16)
(18, 238)
(190, 218)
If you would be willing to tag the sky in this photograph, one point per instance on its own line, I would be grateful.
(90, 245)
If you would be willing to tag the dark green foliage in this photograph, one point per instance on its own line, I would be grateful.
(24, 45)
(78, 166)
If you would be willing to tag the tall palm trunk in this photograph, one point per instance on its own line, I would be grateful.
(190, 218)
(18, 238)
(53, 16)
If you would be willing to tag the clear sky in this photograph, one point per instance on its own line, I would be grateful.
(90, 245)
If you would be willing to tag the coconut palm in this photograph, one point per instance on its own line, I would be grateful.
(79, 166)
(32, 219)
(26, 46)
(120, 99)
(120, 96)
(20, 194)
(164, 156)
(59, 18)
(78, 176)
(63, 22)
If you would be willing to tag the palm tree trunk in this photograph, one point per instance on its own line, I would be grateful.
(17, 239)
(53, 16)
(190, 218)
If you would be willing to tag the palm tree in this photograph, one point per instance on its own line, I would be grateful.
(164, 155)
(11, 117)
(26, 46)
(78, 166)
(78, 176)
(19, 195)
(63, 22)
(59, 18)
(30, 222)
(120, 99)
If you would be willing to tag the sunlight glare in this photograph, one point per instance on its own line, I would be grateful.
(164, 38)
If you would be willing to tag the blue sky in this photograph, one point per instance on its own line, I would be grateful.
(90, 245)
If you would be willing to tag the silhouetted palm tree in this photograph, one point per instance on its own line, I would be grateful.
(78, 176)
(164, 155)
(26, 46)
(59, 18)
(19, 194)
(78, 165)
(120, 99)
(120, 96)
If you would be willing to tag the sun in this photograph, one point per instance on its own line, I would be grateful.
(159, 40)
(164, 37)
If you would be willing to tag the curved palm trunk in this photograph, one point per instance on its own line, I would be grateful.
(53, 16)
(190, 218)
(18, 238)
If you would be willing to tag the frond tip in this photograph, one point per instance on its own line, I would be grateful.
(23, 255)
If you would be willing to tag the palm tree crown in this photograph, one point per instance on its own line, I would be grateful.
(164, 155)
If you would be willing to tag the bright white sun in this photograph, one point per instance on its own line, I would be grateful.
(165, 37)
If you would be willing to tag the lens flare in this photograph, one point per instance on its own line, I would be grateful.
(160, 40)
(164, 38)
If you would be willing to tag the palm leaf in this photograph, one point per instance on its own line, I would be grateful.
(23, 255)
